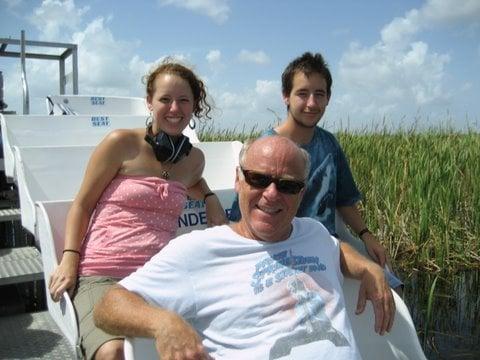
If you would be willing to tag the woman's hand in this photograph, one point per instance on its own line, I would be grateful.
(64, 277)
(215, 212)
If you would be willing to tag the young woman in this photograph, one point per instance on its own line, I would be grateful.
(133, 192)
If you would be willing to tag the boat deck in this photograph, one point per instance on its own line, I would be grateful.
(32, 336)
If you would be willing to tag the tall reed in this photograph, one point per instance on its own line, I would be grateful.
(422, 194)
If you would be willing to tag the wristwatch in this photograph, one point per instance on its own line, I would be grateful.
(363, 232)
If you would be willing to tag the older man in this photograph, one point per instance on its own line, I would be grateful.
(266, 287)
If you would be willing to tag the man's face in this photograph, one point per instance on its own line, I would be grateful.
(267, 213)
(307, 100)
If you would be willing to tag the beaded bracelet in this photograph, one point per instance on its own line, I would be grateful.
(207, 195)
(71, 250)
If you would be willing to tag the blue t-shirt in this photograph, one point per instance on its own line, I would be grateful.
(330, 181)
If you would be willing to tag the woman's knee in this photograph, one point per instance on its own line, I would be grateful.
(111, 350)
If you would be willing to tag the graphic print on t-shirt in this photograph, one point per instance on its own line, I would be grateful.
(315, 325)
(319, 199)
(299, 277)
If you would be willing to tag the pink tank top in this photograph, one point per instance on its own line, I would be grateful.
(135, 217)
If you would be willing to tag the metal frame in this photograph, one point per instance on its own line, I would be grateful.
(69, 50)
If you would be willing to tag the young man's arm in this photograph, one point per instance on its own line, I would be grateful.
(125, 313)
(373, 286)
(352, 217)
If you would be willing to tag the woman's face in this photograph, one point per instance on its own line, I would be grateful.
(171, 104)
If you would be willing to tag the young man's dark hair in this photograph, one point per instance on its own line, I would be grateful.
(307, 63)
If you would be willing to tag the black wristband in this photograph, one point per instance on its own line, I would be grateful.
(363, 232)
(71, 250)
(207, 195)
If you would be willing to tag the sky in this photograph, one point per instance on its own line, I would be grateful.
(396, 64)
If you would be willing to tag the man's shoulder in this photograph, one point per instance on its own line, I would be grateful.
(209, 232)
(308, 230)
(195, 242)
(320, 134)
(268, 132)
(305, 225)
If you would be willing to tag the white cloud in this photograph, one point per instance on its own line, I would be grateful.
(400, 71)
(267, 88)
(380, 78)
(245, 109)
(218, 10)
(106, 65)
(256, 57)
(214, 59)
(213, 56)
(103, 60)
(451, 11)
(53, 17)
(401, 30)
(432, 13)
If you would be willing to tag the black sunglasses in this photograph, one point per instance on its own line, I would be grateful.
(261, 181)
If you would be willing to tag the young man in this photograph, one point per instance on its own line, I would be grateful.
(306, 90)
(266, 287)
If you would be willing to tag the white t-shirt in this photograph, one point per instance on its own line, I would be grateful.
(251, 299)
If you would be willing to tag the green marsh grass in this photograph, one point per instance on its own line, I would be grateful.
(421, 193)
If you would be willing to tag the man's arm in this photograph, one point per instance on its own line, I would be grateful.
(352, 217)
(125, 313)
(373, 286)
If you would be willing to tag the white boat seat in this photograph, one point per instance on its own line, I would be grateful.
(105, 105)
(56, 172)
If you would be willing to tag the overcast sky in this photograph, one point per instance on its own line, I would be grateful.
(394, 63)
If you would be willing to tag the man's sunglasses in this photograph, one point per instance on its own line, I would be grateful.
(261, 181)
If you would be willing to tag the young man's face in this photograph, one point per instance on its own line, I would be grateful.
(307, 100)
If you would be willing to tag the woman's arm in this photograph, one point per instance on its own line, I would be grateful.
(199, 190)
(213, 207)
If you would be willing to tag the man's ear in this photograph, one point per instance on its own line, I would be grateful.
(302, 192)
(286, 99)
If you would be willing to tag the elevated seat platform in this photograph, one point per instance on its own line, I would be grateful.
(9, 214)
(32, 336)
(19, 265)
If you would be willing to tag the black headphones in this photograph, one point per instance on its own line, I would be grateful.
(167, 148)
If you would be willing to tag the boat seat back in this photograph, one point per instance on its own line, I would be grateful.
(55, 173)
(106, 105)
(37, 130)
(50, 231)
(90, 105)
(48, 173)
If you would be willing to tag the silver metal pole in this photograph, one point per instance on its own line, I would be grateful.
(75, 69)
(26, 98)
(63, 79)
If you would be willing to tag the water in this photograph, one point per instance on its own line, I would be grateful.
(454, 330)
